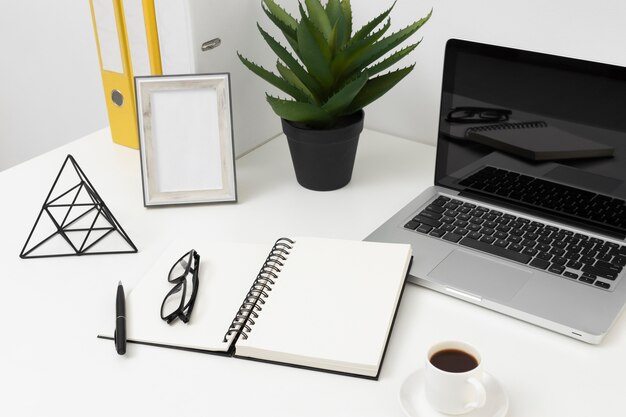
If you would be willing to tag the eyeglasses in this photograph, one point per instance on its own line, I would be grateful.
(179, 301)
(477, 115)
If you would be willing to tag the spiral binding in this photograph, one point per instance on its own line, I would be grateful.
(262, 285)
(507, 126)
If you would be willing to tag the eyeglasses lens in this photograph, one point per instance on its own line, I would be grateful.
(172, 302)
(180, 268)
(492, 115)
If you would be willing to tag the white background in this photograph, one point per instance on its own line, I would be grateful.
(51, 89)
(193, 123)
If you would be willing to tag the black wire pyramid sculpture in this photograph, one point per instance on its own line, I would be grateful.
(75, 221)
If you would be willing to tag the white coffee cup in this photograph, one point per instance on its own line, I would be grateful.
(454, 382)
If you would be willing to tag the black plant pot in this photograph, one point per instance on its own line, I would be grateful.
(323, 158)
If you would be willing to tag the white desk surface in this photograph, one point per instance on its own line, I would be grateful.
(52, 364)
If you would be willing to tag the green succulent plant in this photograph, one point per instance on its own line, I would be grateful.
(334, 72)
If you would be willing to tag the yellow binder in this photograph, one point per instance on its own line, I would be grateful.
(128, 45)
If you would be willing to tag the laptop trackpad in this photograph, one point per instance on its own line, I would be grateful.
(488, 278)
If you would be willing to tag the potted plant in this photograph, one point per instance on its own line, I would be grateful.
(334, 73)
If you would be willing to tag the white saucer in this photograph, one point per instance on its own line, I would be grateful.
(414, 403)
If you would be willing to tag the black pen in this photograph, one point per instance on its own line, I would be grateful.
(120, 320)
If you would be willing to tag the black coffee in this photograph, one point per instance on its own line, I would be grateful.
(453, 360)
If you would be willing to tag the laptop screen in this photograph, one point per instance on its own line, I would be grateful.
(537, 132)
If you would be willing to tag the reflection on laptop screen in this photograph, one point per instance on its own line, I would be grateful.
(539, 132)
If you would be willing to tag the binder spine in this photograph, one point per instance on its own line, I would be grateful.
(255, 298)
(506, 126)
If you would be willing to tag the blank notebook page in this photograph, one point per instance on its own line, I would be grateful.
(332, 306)
(226, 273)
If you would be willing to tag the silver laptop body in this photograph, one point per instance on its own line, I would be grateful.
(578, 289)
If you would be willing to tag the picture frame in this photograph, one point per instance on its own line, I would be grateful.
(186, 142)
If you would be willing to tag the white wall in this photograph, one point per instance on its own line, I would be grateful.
(50, 85)
(51, 91)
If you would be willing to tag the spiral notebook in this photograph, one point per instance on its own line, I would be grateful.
(315, 303)
(537, 141)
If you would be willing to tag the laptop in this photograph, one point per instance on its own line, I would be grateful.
(527, 214)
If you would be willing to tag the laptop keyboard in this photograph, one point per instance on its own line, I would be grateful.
(562, 252)
(549, 195)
